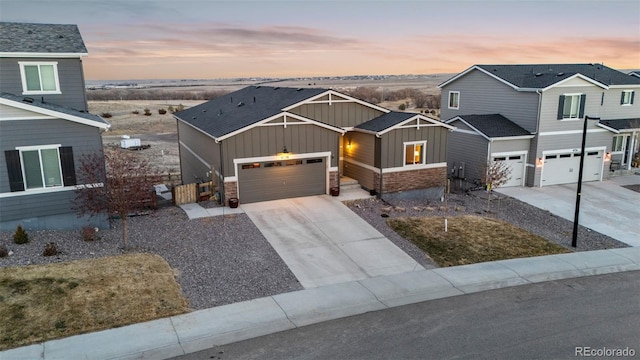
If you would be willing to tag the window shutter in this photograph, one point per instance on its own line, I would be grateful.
(16, 182)
(583, 97)
(633, 93)
(561, 107)
(622, 98)
(68, 167)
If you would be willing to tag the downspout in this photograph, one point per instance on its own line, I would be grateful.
(222, 173)
(179, 151)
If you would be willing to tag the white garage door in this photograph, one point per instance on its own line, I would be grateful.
(280, 179)
(517, 166)
(563, 168)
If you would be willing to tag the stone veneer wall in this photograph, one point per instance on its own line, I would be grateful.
(412, 179)
(334, 179)
(230, 190)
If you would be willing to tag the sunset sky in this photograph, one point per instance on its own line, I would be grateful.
(163, 39)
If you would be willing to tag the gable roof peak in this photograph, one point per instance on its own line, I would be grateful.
(37, 38)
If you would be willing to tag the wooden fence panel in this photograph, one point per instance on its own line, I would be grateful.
(185, 194)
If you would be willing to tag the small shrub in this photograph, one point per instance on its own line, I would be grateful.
(50, 250)
(20, 236)
(162, 111)
(147, 112)
(3, 251)
(106, 115)
(180, 108)
(402, 107)
(171, 109)
(89, 233)
(135, 112)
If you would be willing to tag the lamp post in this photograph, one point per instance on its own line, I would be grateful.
(574, 240)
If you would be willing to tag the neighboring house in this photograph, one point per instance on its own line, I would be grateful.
(44, 126)
(264, 143)
(531, 117)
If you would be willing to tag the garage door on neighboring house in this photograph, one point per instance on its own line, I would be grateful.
(563, 168)
(280, 179)
(516, 162)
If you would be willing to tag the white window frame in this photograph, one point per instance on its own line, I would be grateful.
(457, 105)
(423, 159)
(25, 90)
(39, 148)
(619, 140)
(627, 97)
(571, 97)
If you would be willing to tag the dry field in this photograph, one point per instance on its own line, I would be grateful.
(156, 130)
(43, 302)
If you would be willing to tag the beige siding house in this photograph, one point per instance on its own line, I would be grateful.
(265, 143)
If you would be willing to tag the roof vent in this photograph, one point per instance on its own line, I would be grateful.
(231, 100)
(299, 89)
(560, 73)
(60, 37)
(220, 112)
(254, 99)
(204, 111)
(29, 32)
(538, 74)
(28, 100)
(276, 88)
(240, 104)
(193, 117)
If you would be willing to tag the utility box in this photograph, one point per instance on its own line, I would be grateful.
(127, 143)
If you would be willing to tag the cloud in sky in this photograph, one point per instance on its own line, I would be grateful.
(204, 39)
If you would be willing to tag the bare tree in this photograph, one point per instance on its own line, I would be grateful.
(497, 174)
(121, 188)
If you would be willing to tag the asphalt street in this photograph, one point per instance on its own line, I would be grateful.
(551, 320)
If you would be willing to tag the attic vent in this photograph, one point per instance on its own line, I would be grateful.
(60, 37)
(560, 73)
(254, 99)
(28, 100)
(204, 111)
(299, 89)
(240, 104)
(220, 112)
(29, 32)
(231, 100)
(193, 117)
(276, 88)
(538, 74)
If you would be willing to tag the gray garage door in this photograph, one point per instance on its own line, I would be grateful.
(281, 179)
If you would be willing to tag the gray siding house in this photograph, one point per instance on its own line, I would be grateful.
(265, 143)
(44, 126)
(531, 117)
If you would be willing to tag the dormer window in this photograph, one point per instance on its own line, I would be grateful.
(39, 78)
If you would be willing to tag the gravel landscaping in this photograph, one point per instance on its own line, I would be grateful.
(525, 216)
(225, 259)
(218, 260)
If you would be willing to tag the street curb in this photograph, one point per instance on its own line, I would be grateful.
(200, 330)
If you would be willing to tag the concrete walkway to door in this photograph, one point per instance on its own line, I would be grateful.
(323, 242)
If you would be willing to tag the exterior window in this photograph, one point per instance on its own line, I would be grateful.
(618, 144)
(571, 106)
(627, 97)
(414, 153)
(39, 78)
(454, 99)
(41, 167)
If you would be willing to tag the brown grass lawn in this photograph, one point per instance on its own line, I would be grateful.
(44, 302)
(471, 239)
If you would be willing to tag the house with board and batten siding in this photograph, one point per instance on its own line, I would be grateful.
(266, 143)
(44, 126)
(531, 117)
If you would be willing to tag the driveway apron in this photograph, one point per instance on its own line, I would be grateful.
(323, 242)
(605, 206)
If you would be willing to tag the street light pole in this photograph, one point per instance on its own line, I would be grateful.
(574, 239)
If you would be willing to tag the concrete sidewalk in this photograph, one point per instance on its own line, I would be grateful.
(199, 330)
(195, 211)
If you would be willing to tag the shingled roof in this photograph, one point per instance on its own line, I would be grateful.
(385, 121)
(540, 76)
(40, 38)
(239, 109)
(620, 125)
(87, 118)
(492, 125)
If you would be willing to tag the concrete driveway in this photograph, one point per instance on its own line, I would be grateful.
(605, 206)
(323, 242)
